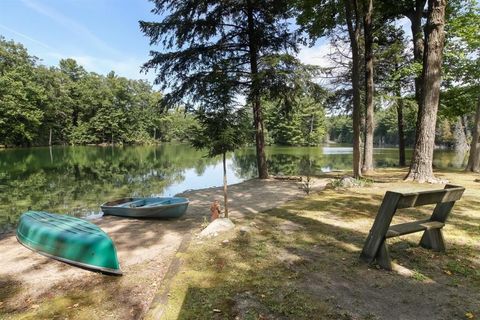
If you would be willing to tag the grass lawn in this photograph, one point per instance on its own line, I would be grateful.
(300, 261)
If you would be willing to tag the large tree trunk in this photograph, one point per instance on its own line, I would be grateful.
(369, 90)
(225, 197)
(473, 164)
(354, 34)
(255, 95)
(415, 17)
(421, 168)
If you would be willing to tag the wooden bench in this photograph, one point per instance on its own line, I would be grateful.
(375, 247)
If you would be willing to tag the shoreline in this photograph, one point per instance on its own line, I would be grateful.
(145, 249)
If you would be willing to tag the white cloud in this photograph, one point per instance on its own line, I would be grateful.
(316, 55)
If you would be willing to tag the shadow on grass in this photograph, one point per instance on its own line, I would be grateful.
(297, 264)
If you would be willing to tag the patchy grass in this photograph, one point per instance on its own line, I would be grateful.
(300, 261)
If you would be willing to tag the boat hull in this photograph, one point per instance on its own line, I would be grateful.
(70, 240)
(172, 207)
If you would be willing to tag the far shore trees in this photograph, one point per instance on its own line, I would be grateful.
(250, 41)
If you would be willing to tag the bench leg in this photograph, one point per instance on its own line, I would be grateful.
(383, 257)
(433, 239)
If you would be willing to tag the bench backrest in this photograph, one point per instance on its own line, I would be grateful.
(414, 199)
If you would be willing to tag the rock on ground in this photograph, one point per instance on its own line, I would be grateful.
(217, 226)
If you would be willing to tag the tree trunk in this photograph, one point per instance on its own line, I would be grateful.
(369, 90)
(418, 45)
(400, 124)
(415, 17)
(461, 143)
(50, 138)
(354, 35)
(421, 168)
(255, 95)
(474, 157)
(400, 121)
(225, 197)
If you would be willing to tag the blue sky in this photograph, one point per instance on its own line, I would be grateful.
(102, 35)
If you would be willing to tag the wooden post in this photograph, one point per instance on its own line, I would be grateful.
(225, 197)
(376, 236)
(383, 257)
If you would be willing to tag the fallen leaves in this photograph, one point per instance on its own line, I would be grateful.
(469, 315)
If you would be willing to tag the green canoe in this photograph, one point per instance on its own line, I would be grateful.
(68, 239)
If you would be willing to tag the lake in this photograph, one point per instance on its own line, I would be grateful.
(76, 180)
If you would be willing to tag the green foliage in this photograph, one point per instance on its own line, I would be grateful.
(20, 95)
(340, 129)
(461, 60)
(222, 127)
(301, 124)
(386, 131)
(78, 107)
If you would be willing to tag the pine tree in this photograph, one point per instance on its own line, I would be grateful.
(238, 38)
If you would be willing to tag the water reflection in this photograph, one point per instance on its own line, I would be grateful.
(76, 180)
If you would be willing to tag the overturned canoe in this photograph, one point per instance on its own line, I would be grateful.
(169, 207)
(70, 240)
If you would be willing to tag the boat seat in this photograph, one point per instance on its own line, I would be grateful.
(153, 204)
(131, 203)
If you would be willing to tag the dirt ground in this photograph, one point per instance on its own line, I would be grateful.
(35, 287)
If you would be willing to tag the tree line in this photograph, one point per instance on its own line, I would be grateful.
(68, 105)
(250, 49)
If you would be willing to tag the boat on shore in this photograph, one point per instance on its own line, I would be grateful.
(166, 207)
(70, 240)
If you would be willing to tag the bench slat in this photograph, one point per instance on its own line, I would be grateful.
(411, 227)
(414, 199)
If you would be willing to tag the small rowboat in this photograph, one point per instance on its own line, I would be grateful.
(70, 240)
(171, 207)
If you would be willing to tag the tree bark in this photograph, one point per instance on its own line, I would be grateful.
(50, 138)
(421, 169)
(415, 17)
(354, 35)
(225, 197)
(369, 90)
(473, 164)
(400, 126)
(461, 143)
(255, 95)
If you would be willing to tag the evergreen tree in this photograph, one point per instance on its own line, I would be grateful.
(223, 126)
(250, 41)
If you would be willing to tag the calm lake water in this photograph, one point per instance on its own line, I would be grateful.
(76, 180)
